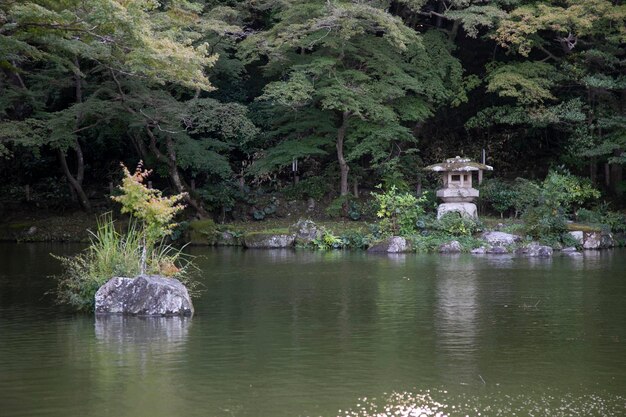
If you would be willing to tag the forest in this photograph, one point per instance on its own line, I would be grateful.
(322, 100)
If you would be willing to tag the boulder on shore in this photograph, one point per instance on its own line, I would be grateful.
(500, 238)
(305, 231)
(227, 238)
(535, 250)
(593, 240)
(598, 240)
(450, 247)
(393, 244)
(490, 250)
(497, 250)
(145, 295)
(268, 241)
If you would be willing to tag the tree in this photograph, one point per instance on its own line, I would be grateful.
(355, 69)
(50, 47)
(584, 43)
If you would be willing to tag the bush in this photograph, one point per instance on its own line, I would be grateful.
(455, 224)
(543, 221)
(355, 239)
(344, 205)
(601, 216)
(328, 241)
(430, 242)
(545, 207)
(527, 194)
(499, 195)
(564, 191)
(399, 212)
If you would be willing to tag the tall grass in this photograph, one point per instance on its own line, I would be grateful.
(113, 254)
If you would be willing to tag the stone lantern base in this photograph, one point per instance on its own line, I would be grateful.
(464, 209)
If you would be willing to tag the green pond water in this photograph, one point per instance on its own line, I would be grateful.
(298, 333)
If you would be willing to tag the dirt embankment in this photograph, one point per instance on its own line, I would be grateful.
(24, 226)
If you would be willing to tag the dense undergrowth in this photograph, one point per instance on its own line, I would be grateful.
(536, 211)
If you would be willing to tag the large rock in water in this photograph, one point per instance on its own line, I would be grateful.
(393, 244)
(146, 295)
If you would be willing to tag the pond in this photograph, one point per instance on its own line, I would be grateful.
(298, 333)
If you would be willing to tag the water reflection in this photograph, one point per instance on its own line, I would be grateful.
(501, 261)
(539, 262)
(457, 318)
(142, 334)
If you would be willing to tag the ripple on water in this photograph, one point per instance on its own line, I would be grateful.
(441, 403)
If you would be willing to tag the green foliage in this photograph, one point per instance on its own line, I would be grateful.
(558, 195)
(312, 187)
(474, 17)
(520, 28)
(527, 82)
(568, 240)
(131, 37)
(336, 207)
(202, 231)
(602, 217)
(265, 209)
(527, 194)
(399, 212)
(367, 81)
(358, 67)
(153, 211)
(566, 192)
(430, 242)
(500, 195)
(542, 221)
(355, 239)
(454, 224)
(112, 254)
(328, 241)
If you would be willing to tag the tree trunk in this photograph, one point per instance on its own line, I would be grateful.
(170, 161)
(76, 182)
(179, 182)
(78, 188)
(617, 175)
(593, 171)
(343, 165)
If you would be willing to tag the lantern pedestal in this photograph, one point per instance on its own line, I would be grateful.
(464, 209)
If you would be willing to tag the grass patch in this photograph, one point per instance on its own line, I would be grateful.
(579, 227)
(275, 231)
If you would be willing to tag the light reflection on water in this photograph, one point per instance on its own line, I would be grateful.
(284, 333)
(441, 403)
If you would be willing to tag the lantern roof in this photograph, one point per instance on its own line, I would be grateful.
(458, 164)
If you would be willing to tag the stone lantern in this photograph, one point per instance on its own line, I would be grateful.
(457, 192)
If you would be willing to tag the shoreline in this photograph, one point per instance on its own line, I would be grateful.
(280, 234)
